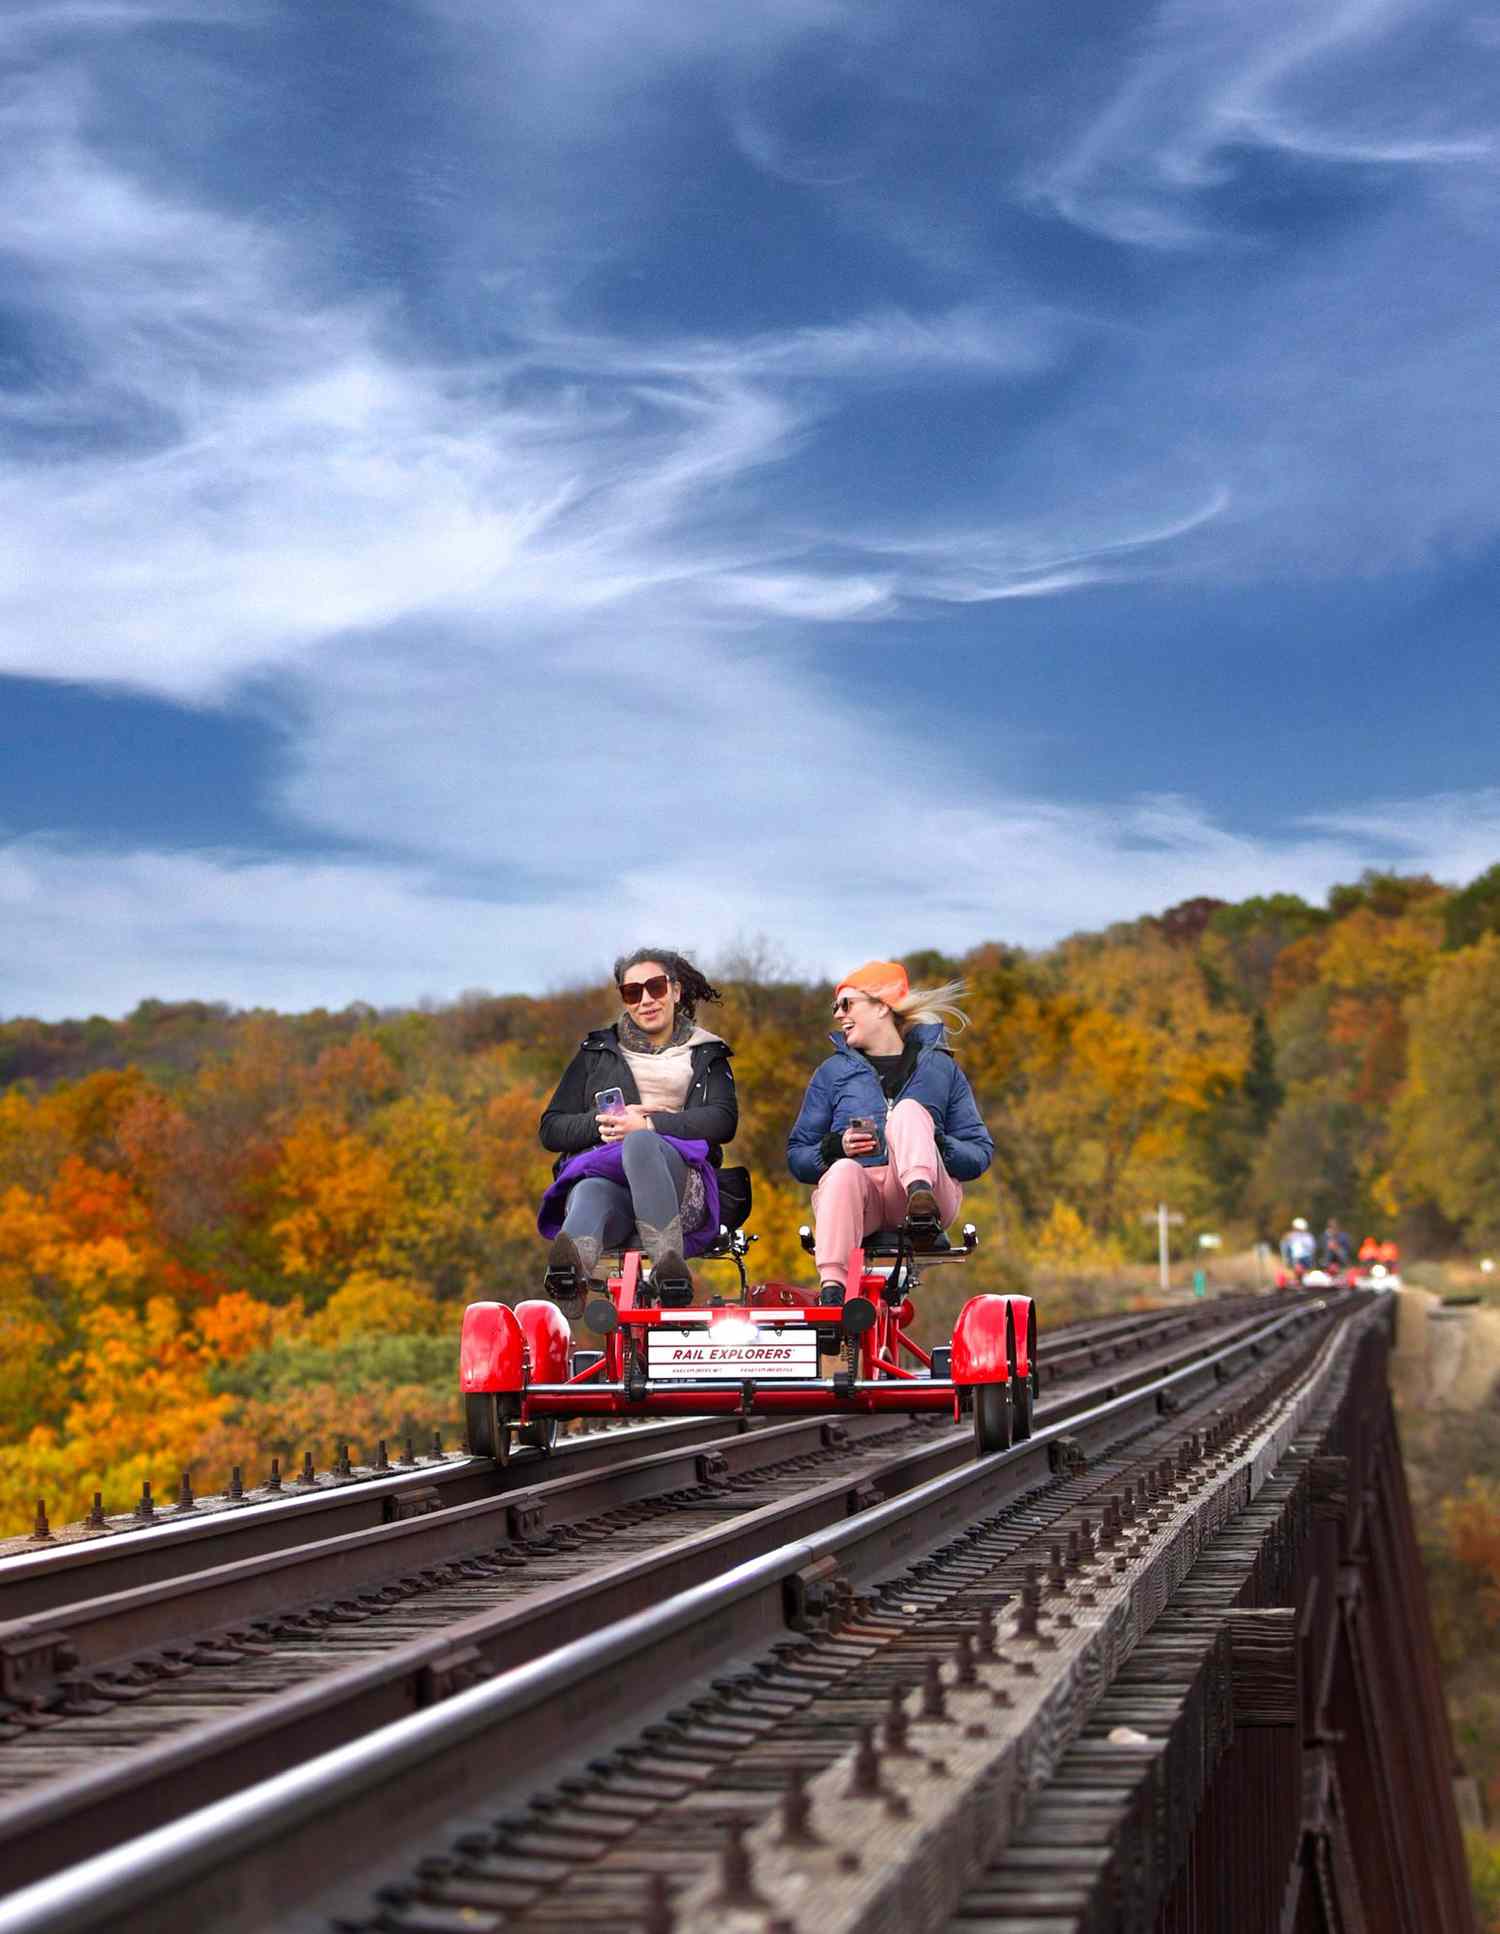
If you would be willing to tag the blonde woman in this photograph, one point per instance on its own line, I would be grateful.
(888, 1127)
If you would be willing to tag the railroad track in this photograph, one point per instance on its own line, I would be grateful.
(906, 1487)
(153, 1698)
(124, 1552)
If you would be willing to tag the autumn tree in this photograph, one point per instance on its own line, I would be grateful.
(1449, 1112)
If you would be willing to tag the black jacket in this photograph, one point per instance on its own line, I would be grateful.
(711, 1112)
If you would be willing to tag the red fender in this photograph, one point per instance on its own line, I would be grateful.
(492, 1355)
(981, 1341)
(1023, 1328)
(548, 1339)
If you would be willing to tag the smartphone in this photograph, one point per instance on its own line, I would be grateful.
(610, 1101)
(863, 1124)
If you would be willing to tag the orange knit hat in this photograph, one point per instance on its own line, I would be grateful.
(884, 980)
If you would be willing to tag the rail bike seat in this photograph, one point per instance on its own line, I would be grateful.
(905, 1245)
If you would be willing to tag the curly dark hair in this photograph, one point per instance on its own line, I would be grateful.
(695, 986)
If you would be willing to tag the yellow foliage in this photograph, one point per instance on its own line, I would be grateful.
(1065, 1241)
(369, 1305)
(340, 1191)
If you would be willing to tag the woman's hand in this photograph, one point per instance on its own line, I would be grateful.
(859, 1141)
(624, 1122)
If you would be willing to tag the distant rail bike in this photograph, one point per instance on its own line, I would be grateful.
(775, 1350)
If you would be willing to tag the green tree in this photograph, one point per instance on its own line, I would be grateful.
(1474, 911)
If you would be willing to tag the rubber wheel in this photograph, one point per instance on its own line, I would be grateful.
(486, 1430)
(994, 1419)
(1021, 1408)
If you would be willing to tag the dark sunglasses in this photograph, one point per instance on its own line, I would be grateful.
(631, 991)
(846, 1001)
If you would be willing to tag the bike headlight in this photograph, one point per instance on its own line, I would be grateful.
(733, 1329)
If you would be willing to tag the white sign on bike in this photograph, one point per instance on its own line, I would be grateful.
(697, 1355)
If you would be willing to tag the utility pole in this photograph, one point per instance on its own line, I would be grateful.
(1163, 1217)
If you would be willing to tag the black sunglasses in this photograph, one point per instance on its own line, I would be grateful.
(846, 1001)
(631, 991)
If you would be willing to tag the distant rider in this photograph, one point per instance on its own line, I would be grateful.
(1298, 1245)
(1337, 1248)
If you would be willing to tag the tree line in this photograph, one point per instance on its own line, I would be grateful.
(228, 1234)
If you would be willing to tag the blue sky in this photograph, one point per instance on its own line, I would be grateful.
(480, 486)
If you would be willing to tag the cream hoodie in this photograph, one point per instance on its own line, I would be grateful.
(664, 1079)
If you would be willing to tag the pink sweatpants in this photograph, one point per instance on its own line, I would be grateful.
(851, 1201)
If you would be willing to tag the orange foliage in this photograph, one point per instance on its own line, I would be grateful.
(196, 1263)
(1472, 1522)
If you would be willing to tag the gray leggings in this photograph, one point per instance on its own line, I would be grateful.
(656, 1177)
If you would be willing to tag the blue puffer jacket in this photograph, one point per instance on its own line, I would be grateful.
(845, 1085)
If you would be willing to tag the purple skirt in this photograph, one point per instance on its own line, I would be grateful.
(608, 1164)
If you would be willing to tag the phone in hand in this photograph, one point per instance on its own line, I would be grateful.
(610, 1101)
(863, 1124)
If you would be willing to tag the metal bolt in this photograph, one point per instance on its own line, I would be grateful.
(342, 1466)
(896, 1722)
(1057, 1578)
(1086, 1538)
(307, 1475)
(437, 1443)
(273, 1482)
(236, 1485)
(1031, 1600)
(796, 1811)
(658, 1917)
(409, 1456)
(382, 1462)
(963, 1655)
(985, 1641)
(41, 1528)
(864, 1780)
(736, 1870)
(145, 1511)
(934, 1699)
(185, 1494)
(96, 1516)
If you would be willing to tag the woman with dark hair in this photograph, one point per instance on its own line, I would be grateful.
(639, 1120)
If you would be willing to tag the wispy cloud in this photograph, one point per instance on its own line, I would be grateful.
(556, 588)
(1210, 79)
(78, 937)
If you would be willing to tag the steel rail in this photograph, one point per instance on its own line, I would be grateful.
(58, 1820)
(241, 1862)
(117, 1624)
(216, 1531)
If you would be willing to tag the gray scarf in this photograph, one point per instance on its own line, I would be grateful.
(631, 1036)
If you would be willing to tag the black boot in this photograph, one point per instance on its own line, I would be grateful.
(922, 1217)
(567, 1277)
(830, 1339)
(673, 1280)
